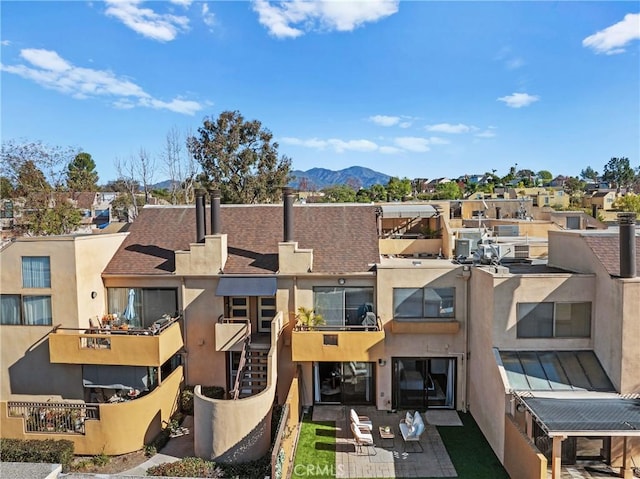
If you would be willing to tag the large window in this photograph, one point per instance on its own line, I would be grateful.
(36, 272)
(140, 307)
(25, 310)
(554, 320)
(342, 306)
(412, 303)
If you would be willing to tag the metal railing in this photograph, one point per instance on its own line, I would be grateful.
(54, 418)
(345, 327)
(235, 392)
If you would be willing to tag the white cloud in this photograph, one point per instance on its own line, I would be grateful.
(146, 22)
(412, 143)
(50, 70)
(436, 140)
(6, 43)
(339, 146)
(184, 3)
(518, 100)
(296, 17)
(390, 150)
(488, 133)
(384, 120)
(405, 124)
(208, 18)
(449, 128)
(612, 39)
(514, 63)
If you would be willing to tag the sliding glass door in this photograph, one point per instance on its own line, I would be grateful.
(343, 382)
(423, 382)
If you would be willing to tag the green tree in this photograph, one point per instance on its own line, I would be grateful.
(339, 194)
(61, 218)
(240, 158)
(628, 203)
(398, 189)
(545, 176)
(589, 174)
(81, 173)
(6, 188)
(618, 172)
(448, 191)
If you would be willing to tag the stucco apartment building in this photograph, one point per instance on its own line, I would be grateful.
(208, 296)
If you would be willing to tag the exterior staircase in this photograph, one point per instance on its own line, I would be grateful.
(254, 374)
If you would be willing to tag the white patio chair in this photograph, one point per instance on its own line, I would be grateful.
(363, 437)
(360, 421)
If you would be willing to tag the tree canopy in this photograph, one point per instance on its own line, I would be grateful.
(618, 171)
(81, 173)
(239, 157)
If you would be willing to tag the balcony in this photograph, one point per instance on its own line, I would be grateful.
(130, 347)
(107, 428)
(332, 343)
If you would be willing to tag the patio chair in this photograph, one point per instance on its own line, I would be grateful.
(360, 421)
(411, 428)
(363, 437)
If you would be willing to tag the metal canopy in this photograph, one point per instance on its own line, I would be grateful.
(252, 286)
(617, 416)
(408, 211)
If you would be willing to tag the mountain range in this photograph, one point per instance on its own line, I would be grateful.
(319, 178)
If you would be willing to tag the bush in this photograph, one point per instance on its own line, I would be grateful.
(48, 451)
(187, 467)
(254, 469)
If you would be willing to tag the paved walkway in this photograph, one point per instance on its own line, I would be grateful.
(390, 459)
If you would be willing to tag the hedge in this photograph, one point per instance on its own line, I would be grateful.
(48, 451)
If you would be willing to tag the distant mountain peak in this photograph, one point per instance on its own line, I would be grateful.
(319, 178)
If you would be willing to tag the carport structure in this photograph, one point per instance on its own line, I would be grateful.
(593, 415)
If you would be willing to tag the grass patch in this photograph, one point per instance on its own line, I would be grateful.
(316, 452)
(470, 452)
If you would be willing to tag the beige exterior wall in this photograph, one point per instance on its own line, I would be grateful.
(521, 457)
(76, 263)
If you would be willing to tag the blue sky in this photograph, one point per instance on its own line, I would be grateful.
(411, 88)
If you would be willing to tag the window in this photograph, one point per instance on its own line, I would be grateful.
(25, 310)
(554, 320)
(140, 307)
(36, 272)
(343, 306)
(410, 303)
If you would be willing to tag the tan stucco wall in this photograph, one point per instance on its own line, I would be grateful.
(122, 427)
(76, 263)
(486, 391)
(521, 457)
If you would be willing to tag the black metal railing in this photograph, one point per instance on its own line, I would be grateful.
(54, 418)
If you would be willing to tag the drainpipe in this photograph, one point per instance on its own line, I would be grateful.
(627, 235)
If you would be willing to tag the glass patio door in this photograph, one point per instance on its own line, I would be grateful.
(424, 383)
(343, 382)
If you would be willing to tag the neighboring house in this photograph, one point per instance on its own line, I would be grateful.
(405, 326)
(94, 206)
(542, 196)
(600, 199)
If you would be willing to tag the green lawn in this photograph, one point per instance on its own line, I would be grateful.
(470, 452)
(316, 451)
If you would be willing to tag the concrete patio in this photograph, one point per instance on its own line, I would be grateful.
(390, 459)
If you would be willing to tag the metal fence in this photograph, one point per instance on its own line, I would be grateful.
(55, 418)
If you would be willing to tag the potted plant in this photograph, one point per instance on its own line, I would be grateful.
(308, 319)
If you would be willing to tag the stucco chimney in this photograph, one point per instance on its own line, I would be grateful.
(627, 225)
(215, 211)
(200, 221)
(287, 196)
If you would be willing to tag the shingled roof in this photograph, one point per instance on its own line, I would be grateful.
(343, 238)
(607, 249)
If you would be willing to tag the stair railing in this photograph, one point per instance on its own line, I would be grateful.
(235, 393)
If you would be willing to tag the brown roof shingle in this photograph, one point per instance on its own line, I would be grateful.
(607, 249)
(343, 238)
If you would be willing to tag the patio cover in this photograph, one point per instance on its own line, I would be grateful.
(408, 211)
(249, 286)
(570, 416)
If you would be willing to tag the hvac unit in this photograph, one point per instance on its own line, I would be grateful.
(463, 248)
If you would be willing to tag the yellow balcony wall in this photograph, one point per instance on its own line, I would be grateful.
(401, 246)
(425, 327)
(122, 428)
(72, 347)
(334, 345)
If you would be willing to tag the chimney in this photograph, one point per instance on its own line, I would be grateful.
(215, 211)
(498, 214)
(287, 196)
(200, 221)
(627, 225)
(594, 211)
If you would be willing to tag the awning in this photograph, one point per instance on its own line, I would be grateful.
(570, 416)
(408, 211)
(252, 286)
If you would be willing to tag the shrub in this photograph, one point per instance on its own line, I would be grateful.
(187, 467)
(254, 469)
(48, 450)
(186, 397)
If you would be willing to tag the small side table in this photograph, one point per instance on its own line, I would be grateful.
(386, 434)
